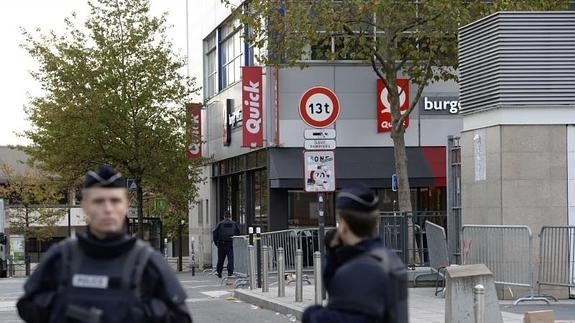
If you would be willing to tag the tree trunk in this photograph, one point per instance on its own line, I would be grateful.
(400, 160)
(404, 192)
(140, 197)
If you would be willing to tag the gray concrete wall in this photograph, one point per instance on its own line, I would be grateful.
(525, 183)
(534, 175)
(481, 200)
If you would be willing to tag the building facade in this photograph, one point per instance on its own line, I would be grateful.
(264, 186)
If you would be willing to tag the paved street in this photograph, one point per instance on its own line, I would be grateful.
(207, 299)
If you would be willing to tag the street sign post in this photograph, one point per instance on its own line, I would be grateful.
(317, 134)
(320, 144)
(319, 107)
(160, 205)
(394, 183)
(131, 184)
(133, 212)
(319, 171)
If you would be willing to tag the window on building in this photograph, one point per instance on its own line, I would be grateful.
(211, 70)
(261, 198)
(231, 53)
(303, 209)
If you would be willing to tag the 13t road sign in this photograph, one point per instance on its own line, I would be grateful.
(319, 107)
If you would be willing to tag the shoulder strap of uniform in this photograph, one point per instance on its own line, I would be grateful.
(142, 264)
(134, 266)
(71, 260)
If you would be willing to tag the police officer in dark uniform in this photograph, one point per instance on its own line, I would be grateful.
(104, 275)
(223, 239)
(365, 281)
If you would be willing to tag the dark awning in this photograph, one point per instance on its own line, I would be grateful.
(371, 166)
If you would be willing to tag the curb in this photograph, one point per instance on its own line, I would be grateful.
(272, 305)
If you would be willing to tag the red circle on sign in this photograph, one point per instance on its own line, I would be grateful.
(306, 114)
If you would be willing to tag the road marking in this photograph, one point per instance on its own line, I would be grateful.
(7, 306)
(193, 281)
(198, 300)
(202, 286)
(217, 293)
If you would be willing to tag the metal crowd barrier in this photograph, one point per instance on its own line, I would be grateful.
(396, 228)
(557, 256)
(438, 252)
(290, 241)
(507, 250)
(241, 260)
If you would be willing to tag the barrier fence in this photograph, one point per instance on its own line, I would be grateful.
(557, 256)
(404, 233)
(507, 250)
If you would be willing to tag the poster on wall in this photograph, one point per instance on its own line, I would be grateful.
(252, 102)
(17, 249)
(384, 105)
(194, 111)
(479, 155)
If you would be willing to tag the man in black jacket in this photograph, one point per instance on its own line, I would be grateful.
(104, 275)
(365, 281)
(223, 239)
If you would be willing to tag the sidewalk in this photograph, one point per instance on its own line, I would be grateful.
(424, 307)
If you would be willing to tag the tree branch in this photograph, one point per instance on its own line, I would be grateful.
(417, 95)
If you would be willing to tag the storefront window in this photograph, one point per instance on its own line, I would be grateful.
(422, 199)
(303, 209)
(261, 198)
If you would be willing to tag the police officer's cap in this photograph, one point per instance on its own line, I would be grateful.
(357, 199)
(106, 177)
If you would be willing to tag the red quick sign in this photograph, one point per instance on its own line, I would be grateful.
(252, 101)
(383, 104)
(194, 111)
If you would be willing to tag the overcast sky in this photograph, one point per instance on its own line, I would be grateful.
(16, 84)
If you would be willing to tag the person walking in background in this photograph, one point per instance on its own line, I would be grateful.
(104, 275)
(365, 281)
(223, 239)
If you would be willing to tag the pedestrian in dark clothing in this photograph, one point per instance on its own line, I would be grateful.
(366, 282)
(223, 239)
(104, 275)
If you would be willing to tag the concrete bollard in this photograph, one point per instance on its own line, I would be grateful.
(265, 269)
(479, 303)
(281, 272)
(317, 278)
(252, 266)
(299, 276)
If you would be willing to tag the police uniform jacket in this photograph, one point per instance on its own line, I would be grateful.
(366, 283)
(161, 297)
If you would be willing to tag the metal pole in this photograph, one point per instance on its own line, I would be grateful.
(252, 266)
(69, 221)
(265, 283)
(180, 249)
(317, 278)
(281, 274)
(479, 303)
(259, 255)
(298, 276)
(321, 235)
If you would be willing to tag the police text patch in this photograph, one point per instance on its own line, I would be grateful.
(90, 281)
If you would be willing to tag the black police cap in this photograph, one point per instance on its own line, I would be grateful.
(358, 199)
(106, 177)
